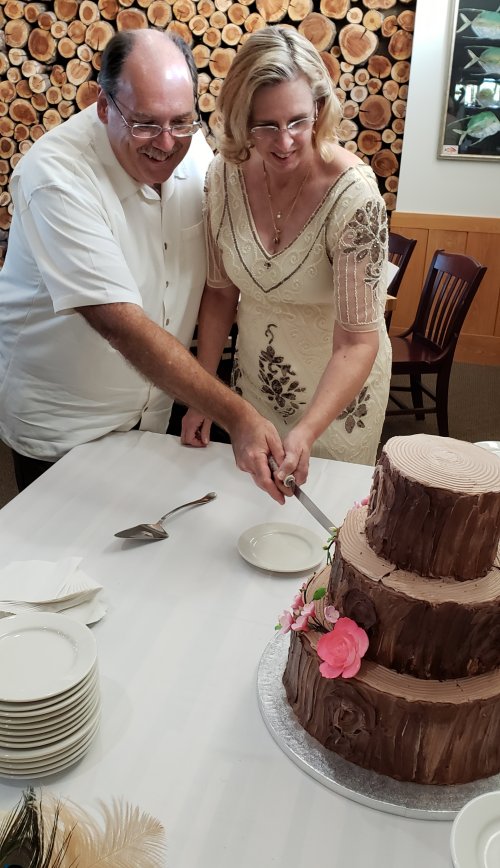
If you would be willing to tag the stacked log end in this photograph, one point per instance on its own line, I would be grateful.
(50, 58)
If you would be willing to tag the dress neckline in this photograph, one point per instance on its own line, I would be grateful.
(269, 256)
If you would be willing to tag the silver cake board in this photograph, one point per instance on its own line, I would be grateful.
(420, 801)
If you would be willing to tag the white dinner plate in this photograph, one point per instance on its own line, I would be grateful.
(50, 759)
(34, 712)
(42, 655)
(475, 834)
(33, 726)
(282, 548)
(57, 764)
(11, 756)
(37, 738)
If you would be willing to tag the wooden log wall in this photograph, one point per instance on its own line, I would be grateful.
(50, 57)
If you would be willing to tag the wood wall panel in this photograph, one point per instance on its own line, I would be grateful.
(445, 239)
(484, 316)
(479, 237)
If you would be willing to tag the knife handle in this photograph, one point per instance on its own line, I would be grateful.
(289, 480)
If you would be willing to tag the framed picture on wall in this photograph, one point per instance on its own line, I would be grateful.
(471, 117)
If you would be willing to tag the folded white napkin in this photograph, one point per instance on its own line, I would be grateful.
(392, 270)
(48, 586)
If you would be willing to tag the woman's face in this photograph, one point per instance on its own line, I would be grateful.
(275, 134)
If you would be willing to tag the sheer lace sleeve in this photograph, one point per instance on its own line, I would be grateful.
(213, 210)
(356, 236)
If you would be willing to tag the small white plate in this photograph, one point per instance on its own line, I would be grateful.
(490, 445)
(281, 548)
(43, 655)
(475, 834)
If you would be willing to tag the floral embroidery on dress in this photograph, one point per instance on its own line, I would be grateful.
(354, 412)
(279, 382)
(366, 236)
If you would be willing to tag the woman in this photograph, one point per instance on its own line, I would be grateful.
(296, 240)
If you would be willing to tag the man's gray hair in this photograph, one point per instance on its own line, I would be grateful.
(118, 49)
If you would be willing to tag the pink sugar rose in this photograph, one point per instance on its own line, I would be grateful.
(342, 649)
(298, 602)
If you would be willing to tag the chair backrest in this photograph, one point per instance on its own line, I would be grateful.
(450, 286)
(400, 251)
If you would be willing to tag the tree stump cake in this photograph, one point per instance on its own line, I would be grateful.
(425, 703)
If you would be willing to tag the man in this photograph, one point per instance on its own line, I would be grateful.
(105, 269)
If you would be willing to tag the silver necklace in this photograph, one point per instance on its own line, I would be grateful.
(276, 228)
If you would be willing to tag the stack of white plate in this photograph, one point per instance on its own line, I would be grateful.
(49, 694)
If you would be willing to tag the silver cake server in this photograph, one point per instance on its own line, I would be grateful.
(155, 530)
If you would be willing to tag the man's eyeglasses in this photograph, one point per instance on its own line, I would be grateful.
(150, 131)
(294, 128)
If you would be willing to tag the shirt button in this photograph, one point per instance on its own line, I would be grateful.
(166, 284)
(167, 321)
(165, 245)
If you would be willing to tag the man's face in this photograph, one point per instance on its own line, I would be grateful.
(152, 89)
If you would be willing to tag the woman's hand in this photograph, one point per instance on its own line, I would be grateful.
(297, 445)
(195, 429)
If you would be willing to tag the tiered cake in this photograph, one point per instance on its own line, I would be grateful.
(418, 568)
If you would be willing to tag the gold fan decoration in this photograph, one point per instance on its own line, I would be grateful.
(45, 832)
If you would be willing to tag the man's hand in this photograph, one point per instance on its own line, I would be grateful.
(254, 439)
(195, 429)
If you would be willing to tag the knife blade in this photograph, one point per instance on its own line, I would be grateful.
(304, 498)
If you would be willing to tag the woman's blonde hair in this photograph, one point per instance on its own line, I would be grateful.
(270, 56)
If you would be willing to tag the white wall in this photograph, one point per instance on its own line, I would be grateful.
(427, 184)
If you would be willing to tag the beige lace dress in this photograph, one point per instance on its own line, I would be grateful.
(334, 271)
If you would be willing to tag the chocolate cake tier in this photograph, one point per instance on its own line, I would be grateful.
(435, 507)
(426, 628)
(429, 732)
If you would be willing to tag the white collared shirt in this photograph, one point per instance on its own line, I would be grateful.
(84, 233)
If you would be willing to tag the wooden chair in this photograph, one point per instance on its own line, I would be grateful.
(428, 346)
(400, 251)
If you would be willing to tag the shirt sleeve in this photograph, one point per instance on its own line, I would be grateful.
(79, 259)
(213, 210)
(357, 247)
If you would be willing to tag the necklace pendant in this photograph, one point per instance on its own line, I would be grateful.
(278, 215)
(276, 239)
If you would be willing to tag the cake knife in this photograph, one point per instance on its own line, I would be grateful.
(305, 500)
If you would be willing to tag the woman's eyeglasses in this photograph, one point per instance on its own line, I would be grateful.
(294, 128)
(150, 131)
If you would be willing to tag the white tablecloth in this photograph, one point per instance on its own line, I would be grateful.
(181, 735)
